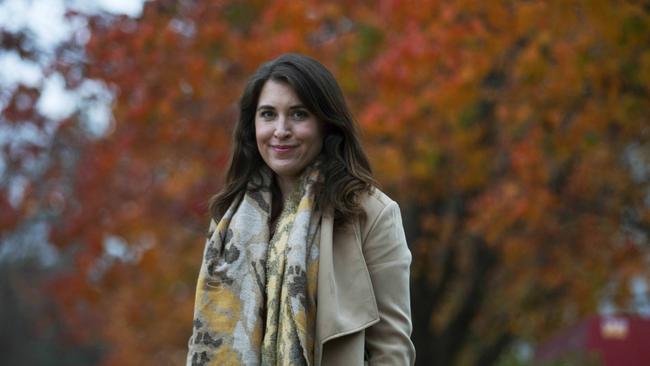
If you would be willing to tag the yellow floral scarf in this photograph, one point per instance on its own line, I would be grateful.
(256, 295)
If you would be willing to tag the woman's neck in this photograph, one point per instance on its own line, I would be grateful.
(286, 186)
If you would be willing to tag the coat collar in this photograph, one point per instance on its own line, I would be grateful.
(346, 301)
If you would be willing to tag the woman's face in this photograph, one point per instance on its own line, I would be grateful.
(289, 137)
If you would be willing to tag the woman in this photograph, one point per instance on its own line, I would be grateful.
(306, 262)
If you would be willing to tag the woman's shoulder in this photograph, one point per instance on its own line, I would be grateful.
(374, 203)
(374, 200)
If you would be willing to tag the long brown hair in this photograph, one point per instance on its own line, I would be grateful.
(343, 163)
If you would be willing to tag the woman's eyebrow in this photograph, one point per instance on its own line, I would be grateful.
(265, 106)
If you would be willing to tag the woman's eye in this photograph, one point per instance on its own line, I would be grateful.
(267, 115)
(300, 114)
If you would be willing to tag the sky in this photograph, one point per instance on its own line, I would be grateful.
(45, 20)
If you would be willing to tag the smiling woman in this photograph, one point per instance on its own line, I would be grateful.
(306, 262)
(288, 136)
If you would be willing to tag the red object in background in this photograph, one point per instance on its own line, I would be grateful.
(620, 340)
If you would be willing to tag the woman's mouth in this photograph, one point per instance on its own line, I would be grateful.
(282, 148)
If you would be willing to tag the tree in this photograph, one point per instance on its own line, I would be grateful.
(510, 133)
(36, 160)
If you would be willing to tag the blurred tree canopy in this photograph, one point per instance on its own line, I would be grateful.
(514, 134)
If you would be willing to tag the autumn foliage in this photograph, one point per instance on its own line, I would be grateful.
(514, 134)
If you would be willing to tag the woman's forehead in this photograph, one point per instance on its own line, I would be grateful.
(275, 94)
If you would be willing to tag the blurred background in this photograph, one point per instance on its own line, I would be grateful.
(514, 134)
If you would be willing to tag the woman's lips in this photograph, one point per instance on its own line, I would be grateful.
(282, 148)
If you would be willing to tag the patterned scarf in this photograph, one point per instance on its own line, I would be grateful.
(256, 295)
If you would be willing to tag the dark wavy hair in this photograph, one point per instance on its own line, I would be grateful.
(343, 163)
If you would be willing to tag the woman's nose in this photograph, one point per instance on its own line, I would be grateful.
(282, 130)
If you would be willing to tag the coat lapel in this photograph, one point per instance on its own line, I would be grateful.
(346, 302)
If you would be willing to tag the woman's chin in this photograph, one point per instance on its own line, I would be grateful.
(289, 171)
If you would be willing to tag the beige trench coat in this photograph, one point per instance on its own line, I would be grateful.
(363, 310)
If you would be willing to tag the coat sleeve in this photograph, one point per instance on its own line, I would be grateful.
(388, 259)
